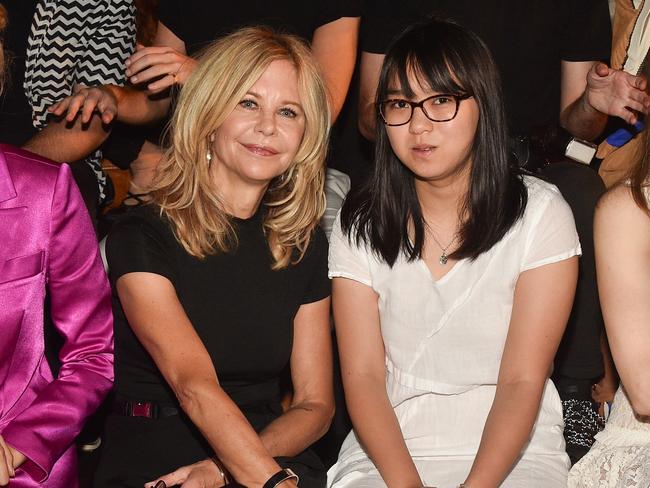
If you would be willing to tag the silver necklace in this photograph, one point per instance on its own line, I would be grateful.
(443, 257)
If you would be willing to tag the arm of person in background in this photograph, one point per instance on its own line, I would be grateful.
(621, 231)
(368, 81)
(65, 141)
(334, 46)
(591, 91)
(81, 311)
(542, 304)
(363, 370)
(312, 405)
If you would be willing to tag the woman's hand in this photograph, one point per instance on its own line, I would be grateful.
(204, 474)
(10, 459)
(159, 67)
(87, 100)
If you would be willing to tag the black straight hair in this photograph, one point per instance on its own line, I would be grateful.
(447, 58)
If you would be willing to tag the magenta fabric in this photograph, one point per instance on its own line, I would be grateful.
(47, 241)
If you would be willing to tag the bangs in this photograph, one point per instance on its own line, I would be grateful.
(429, 59)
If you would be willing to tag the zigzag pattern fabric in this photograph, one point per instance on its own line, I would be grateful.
(77, 42)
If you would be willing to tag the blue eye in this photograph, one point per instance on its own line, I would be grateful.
(248, 104)
(287, 112)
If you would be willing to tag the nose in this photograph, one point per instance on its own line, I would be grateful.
(419, 122)
(266, 123)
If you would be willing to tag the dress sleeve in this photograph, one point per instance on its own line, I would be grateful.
(586, 30)
(552, 234)
(81, 312)
(318, 286)
(140, 242)
(346, 259)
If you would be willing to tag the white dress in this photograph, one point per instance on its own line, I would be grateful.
(444, 340)
(620, 457)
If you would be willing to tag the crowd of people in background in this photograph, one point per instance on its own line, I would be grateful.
(349, 244)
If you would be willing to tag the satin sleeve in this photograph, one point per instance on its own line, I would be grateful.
(81, 312)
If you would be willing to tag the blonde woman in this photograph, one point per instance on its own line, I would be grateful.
(221, 281)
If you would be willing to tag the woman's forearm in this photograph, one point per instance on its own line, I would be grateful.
(297, 429)
(376, 427)
(228, 432)
(507, 429)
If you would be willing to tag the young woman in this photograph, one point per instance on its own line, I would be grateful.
(620, 456)
(453, 281)
(221, 283)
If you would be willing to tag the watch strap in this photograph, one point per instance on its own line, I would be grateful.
(283, 475)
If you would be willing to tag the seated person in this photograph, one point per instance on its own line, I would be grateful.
(221, 281)
(453, 279)
(621, 453)
(48, 246)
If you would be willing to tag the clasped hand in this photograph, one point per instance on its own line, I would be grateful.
(10, 459)
(615, 92)
(159, 67)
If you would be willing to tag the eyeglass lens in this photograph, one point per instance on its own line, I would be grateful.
(438, 108)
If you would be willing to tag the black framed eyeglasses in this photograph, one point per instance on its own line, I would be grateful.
(437, 108)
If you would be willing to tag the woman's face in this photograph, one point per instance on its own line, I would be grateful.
(259, 139)
(434, 151)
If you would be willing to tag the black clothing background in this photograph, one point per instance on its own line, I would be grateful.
(528, 40)
(199, 22)
(16, 126)
(241, 309)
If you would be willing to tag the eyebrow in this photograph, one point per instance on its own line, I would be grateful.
(284, 102)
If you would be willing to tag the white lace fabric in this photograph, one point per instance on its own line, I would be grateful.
(620, 457)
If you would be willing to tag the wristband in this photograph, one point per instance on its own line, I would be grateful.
(279, 477)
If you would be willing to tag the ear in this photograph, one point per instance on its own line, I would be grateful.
(211, 137)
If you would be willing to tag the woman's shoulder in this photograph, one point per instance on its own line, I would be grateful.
(141, 224)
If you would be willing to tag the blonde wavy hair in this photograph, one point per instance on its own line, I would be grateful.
(294, 201)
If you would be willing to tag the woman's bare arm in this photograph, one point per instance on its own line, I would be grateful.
(622, 245)
(361, 349)
(541, 308)
(312, 405)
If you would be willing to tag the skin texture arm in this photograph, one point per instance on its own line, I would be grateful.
(369, 78)
(335, 48)
(591, 91)
(621, 231)
(542, 303)
(66, 142)
(361, 349)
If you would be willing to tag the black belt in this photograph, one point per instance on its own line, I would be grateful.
(147, 410)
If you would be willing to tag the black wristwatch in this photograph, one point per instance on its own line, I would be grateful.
(282, 475)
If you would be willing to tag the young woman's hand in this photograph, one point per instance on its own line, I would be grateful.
(10, 459)
(204, 474)
(159, 67)
(85, 101)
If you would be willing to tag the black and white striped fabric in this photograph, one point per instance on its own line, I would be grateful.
(77, 42)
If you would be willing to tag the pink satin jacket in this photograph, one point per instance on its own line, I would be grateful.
(47, 242)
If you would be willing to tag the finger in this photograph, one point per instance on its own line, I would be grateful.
(161, 85)
(156, 71)
(107, 111)
(146, 57)
(170, 61)
(172, 479)
(4, 469)
(9, 457)
(640, 82)
(59, 107)
(74, 106)
(601, 69)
